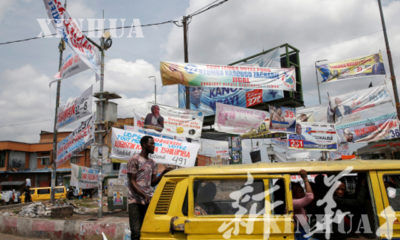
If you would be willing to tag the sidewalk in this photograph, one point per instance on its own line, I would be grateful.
(91, 229)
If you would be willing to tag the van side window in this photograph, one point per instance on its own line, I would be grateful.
(278, 196)
(392, 185)
(43, 191)
(228, 197)
(185, 205)
(59, 190)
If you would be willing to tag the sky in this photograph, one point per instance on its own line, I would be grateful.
(320, 29)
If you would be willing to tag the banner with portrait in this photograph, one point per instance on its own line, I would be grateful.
(83, 177)
(283, 119)
(167, 151)
(238, 120)
(76, 109)
(369, 130)
(76, 142)
(170, 121)
(205, 99)
(71, 66)
(313, 136)
(208, 75)
(356, 67)
(342, 107)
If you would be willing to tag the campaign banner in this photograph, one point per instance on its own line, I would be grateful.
(76, 142)
(78, 108)
(369, 130)
(356, 67)
(312, 114)
(127, 143)
(71, 65)
(354, 102)
(69, 30)
(238, 120)
(166, 120)
(283, 119)
(123, 173)
(208, 75)
(83, 177)
(205, 99)
(313, 136)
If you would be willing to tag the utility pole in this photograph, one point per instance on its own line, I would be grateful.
(389, 54)
(61, 48)
(185, 24)
(316, 78)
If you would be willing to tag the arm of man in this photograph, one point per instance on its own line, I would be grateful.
(156, 179)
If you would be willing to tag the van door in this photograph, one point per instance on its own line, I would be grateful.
(168, 210)
(43, 194)
(239, 207)
(388, 203)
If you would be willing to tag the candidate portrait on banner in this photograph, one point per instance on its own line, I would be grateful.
(154, 120)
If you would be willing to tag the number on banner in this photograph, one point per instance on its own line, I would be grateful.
(295, 143)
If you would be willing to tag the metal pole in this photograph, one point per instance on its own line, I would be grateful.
(389, 54)
(186, 55)
(100, 130)
(316, 78)
(61, 48)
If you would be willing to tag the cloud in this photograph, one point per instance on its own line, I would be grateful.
(25, 103)
(335, 30)
(78, 9)
(5, 5)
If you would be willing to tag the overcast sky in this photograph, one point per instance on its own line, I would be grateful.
(320, 29)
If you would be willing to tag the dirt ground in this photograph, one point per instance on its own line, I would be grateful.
(87, 208)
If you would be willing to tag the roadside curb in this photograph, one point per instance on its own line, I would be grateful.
(113, 228)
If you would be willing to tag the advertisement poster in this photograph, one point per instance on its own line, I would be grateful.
(312, 114)
(127, 143)
(356, 67)
(123, 173)
(343, 106)
(283, 119)
(72, 35)
(208, 75)
(166, 120)
(238, 120)
(313, 136)
(369, 130)
(83, 177)
(71, 65)
(78, 108)
(235, 150)
(76, 142)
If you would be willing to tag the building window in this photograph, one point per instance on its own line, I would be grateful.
(116, 166)
(75, 159)
(2, 159)
(45, 161)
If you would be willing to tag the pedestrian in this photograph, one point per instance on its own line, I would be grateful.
(142, 175)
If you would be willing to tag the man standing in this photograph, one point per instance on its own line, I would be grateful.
(142, 175)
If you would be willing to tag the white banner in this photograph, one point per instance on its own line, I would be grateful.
(78, 108)
(76, 142)
(370, 130)
(167, 151)
(342, 107)
(72, 35)
(313, 136)
(123, 173)
(166, 120)
(83, 177)
(72, 65)
(209, 75)
(238, 120)
(312, 114)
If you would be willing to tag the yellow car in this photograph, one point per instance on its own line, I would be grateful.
(44, 193)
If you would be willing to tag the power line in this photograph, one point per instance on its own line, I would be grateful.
(197, 12)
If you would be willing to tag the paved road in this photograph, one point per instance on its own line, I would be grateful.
(11, 237)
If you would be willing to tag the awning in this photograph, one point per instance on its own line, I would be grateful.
(12, 183)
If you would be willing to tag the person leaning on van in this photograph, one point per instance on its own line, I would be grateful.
(142, 175)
